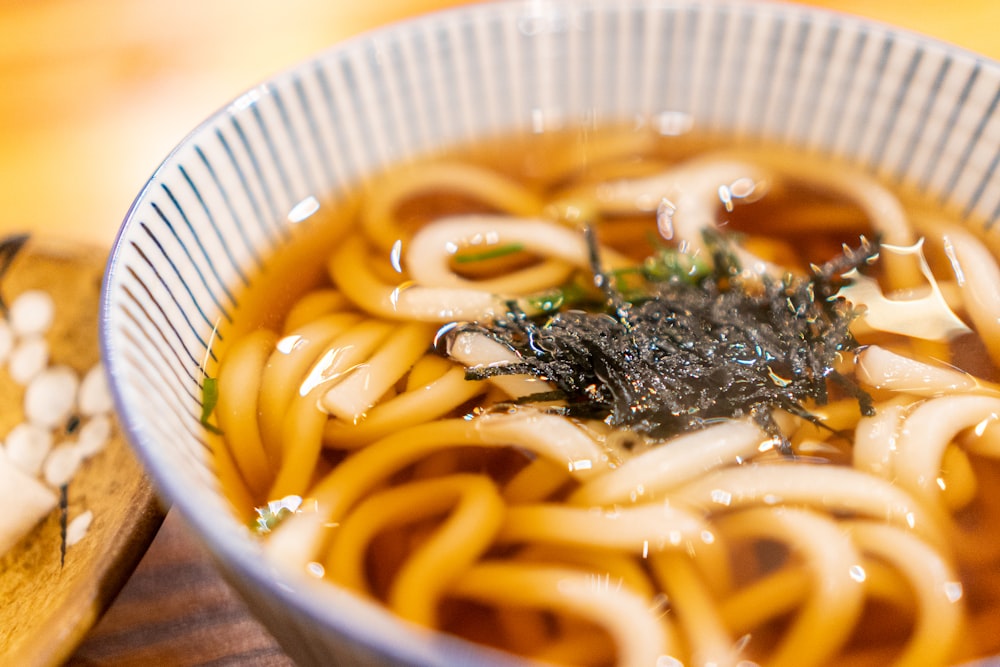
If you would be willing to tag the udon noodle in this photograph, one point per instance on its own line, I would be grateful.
(357, 444)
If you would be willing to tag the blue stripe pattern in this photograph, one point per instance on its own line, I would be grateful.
(916, 134)
(916, 112)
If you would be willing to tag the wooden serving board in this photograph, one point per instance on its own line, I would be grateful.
(49, 600)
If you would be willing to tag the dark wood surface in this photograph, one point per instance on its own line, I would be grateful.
(176, 610)
(94, 95)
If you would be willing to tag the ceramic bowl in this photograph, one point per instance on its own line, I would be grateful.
(909, 109)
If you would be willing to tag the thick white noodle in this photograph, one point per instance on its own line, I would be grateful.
(875, 440)
(827, 618)
(642, 529)
(826, 487)
(429, 252)
(364, 384)
(926, 433)
(643, 639)
(886, 213)
(474, 350)
(298, 540)
(884, 369)
(351, 272)
(687, 198)
(378, 215)
(938, 591)
(661, 468)
(978, 277)
(709, 641)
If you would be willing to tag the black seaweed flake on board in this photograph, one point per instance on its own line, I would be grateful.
(10, 247)
(63, 522)
(686, 353)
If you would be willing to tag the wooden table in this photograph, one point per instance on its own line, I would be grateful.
(94, 94)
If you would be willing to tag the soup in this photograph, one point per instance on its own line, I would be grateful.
(609, 397)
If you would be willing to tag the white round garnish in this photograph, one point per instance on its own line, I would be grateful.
(28, 445)
(95, 397)
(61, 464)
(6, 340)
(94, 435)
(28, 358)
(32, 313)
(50, 397)
(77, 528)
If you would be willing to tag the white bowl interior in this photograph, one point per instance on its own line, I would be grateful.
(912, 110)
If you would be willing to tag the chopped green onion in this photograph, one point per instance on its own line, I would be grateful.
(268, 519)
(493, 252)
(209, 398)
(670, 264)
(552, 300)
(273, 513)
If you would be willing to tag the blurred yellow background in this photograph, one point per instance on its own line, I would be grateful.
(95, 93)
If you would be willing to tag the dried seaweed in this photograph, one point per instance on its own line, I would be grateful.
(681, 353)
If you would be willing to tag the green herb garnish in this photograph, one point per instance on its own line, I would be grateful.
(632, 282)
(493, 252)
(273, 513)
(672, 264)
(209, 399)
(266, 520)
(549, 301)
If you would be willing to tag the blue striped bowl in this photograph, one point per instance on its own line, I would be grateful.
(912, 110)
